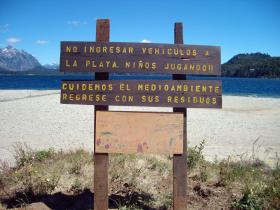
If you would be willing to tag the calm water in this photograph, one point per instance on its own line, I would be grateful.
(230, 86)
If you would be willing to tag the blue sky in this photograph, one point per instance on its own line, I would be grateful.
(238, 26)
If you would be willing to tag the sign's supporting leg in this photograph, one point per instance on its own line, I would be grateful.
(180, 161)
(101, 161)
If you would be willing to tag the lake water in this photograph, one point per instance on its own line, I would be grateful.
(230, 86)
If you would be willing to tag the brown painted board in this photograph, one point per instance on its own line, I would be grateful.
(140, 58)
(138, 132)
(161, 93)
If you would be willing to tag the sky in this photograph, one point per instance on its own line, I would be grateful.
(238, 26)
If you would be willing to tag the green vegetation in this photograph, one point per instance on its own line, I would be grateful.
(252, 65)
(136, 181)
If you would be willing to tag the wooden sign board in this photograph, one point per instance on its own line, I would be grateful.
(164, 93)
(140, 57)
(125, 132)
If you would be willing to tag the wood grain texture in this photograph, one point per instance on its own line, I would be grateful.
(164, 93)
(136, 132)
(140, 57)
(180, 161)
(101, 161)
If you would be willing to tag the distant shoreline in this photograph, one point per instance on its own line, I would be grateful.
(268, 88)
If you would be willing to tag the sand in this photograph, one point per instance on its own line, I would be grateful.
(243, 126)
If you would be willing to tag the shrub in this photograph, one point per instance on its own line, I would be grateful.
(42, 155)
(78, 159)
(194, 155)
(247, 202)
(76, 187)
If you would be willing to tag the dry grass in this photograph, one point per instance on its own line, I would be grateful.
(136, 181)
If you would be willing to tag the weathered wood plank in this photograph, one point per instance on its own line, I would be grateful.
(180, 161)
(140, 57)
(168, 93)
(101, 161)
(136, 132)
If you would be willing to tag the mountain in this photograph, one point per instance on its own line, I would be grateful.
(252, 65)
(53, 66)
(12, 59)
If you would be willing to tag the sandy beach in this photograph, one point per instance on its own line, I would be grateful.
(243, 126)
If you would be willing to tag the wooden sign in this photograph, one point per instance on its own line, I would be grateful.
(131, 132)
(125, 132)
(167, 93)
(140, 57)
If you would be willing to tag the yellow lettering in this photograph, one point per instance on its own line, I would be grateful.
(169, 51)
(156, 51)
(114, 66)
(140, 87)
(75, 64)
(175, 99)
(194, 53)
(154, 65)
(143, 99)
(214, 100)
(217, 89)
(67, 63)
(169, 99)
(118, 50)
(130, 50)
(191, 67)
(71, 97)
(87, 63)
(203, 89)
(84, 97)
(122, 86)
(68, 49)
(111, 49)
(64, 96)
(144, 49)
(197, 89)
(64, 86)
(127, 64)
(71, 86)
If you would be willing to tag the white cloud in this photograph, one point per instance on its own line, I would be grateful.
(76, 23)
(4, 28)
(13, 40)
(40, 41)
(146, 41)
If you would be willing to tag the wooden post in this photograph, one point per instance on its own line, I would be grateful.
(101, 161)
(180, 161)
